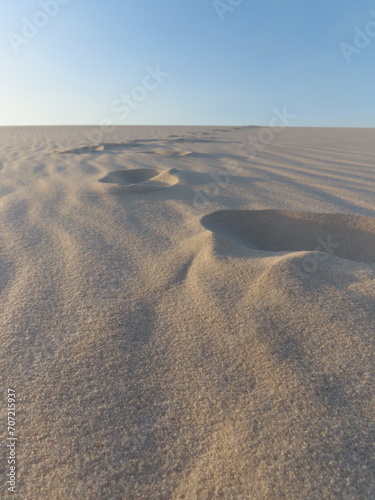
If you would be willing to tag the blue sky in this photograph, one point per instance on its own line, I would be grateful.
(85, 63)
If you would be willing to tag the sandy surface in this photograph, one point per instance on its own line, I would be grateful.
(181, 318)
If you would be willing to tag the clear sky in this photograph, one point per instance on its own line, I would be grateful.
(223, 63)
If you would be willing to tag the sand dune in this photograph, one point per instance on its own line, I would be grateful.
(195, 326)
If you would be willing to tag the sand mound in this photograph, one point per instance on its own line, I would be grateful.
(347, 236)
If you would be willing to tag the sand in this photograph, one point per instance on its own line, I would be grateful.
(184, 319)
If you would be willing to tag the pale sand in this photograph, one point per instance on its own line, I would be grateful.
(177, 331)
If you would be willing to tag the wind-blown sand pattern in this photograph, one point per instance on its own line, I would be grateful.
(211, 340)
